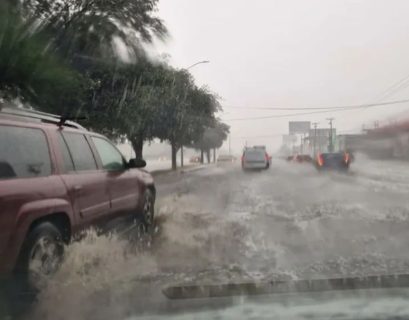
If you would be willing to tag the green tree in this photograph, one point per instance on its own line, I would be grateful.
(29, 69)
(149, 98)
(202, 107)
(212, 138)
(127, 99)
(84, 30)
(90, 35)
(184, 111)
(159, 101)
(173, 109)
(140, 101)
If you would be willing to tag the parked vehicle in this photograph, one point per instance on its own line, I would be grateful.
(300, 158)
(255, 158)
(226, 158)
(57, 178)
(333, 161)
(194, 159)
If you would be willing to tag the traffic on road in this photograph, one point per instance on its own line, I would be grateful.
(219, 225)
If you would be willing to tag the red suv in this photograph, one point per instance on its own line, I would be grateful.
(57, 178)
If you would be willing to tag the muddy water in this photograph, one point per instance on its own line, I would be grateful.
(223, 225)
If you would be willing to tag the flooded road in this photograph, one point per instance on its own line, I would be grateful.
(222, 225)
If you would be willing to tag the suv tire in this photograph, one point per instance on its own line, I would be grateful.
(148, 209)
(40, 256)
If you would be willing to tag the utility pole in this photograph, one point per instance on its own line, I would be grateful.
(315, 124)
(301, 144)
(331, 145)
(229, 144)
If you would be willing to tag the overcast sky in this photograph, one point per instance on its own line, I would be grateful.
(292, 53)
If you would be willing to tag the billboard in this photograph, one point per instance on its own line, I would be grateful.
(299, 127)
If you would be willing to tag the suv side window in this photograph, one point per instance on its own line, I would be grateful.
(80, 151)
(111, 158)
(24, 153)
(66, 156)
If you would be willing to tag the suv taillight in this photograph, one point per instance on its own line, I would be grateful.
(320, 160)
(346, 157)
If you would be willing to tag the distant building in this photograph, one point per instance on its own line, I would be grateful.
(352, 142)
(386, 142)
(391, 141)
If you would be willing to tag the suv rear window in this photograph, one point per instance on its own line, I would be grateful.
(333, 156)
(24, 153)
(254, 155)
(80, 151)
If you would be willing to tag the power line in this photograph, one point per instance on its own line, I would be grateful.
(333, 109)
(397, 86)
(280, 108)
(259, 137)
(401, 87)
(393, 89)
(319, 108)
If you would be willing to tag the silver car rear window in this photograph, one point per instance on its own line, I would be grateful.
(254, 155)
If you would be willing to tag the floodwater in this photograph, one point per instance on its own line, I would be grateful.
(222, 225)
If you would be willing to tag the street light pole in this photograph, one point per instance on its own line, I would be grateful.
(331, 145)
(190, 67)
(195, 64)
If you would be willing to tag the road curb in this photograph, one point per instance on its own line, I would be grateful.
(180, 170)
(196, 168)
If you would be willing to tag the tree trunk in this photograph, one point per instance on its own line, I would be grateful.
(181, 156)
(201, 156)
(174, 153)
(137, 145)
(208, 155)
(214, 155)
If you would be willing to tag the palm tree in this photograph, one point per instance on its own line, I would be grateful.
(29, 70)
(89, 30)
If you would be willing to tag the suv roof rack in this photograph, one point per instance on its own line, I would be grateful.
(41, 116)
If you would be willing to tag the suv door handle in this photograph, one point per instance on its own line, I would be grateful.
(77, 188)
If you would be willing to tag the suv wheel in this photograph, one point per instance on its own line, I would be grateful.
(148, 209)
(40, 256)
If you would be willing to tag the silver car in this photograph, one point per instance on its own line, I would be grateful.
(255, 158)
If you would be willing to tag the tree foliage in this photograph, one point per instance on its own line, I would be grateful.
(62, 57)
(90, 29)
(29, 69)
(213, 136)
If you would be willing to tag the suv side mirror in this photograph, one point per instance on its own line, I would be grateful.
(136, 163)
